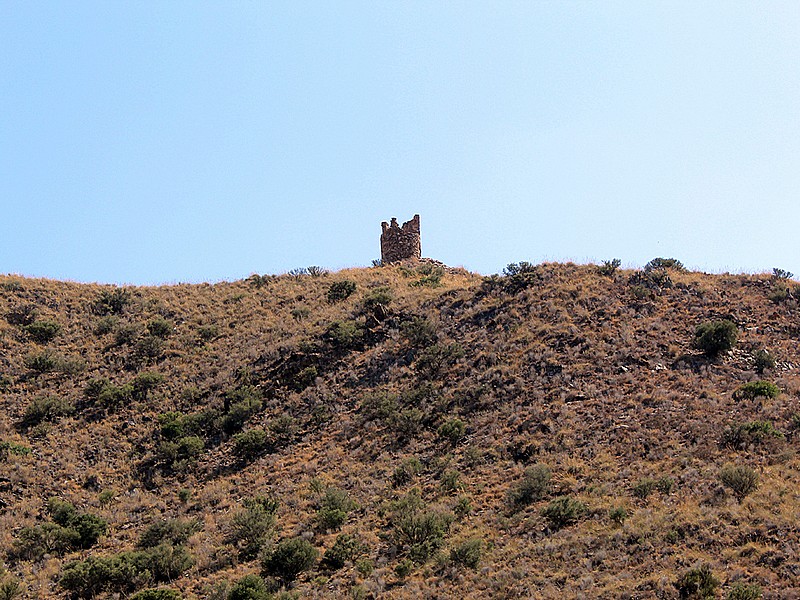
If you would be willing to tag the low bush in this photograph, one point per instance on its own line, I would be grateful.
(418, 530)
(22, 315)
(468, 553)
(124, 572)
(763, 360)
(250, 587)
(70, 530)
(419, 332)
(744, 591)
(453, 430)
(755, 432)
(406, 471)
(345, 335)
(741, 479)
(173, 531)
(112, 301)
(346, 548)
(46, 408)
(664, 263)
(564, 511)
(609, 267)
(434, 359)
(715, 337)
(160, 328)
(251, 527)
(756, 389)
(534, 485)
(340, 290)
(287, 559)
(157, 594)
(252, 443)
(698, 583)
(42, 332)
(333, 509)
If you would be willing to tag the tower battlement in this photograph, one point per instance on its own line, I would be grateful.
(400, 242)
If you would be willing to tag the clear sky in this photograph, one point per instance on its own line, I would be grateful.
(157, 142)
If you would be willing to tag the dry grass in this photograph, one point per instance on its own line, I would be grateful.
(575, 370)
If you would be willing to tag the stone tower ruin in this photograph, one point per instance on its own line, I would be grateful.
(400, 243)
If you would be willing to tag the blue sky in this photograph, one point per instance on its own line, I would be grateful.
(145, 142)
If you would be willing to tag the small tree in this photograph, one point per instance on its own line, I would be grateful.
(289, 558)
(715, 337)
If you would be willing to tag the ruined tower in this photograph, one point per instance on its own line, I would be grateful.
(400, 243)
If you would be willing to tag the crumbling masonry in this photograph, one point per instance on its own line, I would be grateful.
(400, 243)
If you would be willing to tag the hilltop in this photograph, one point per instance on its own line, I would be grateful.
(561, 431)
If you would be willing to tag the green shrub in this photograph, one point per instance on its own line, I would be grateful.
(173, 531)
(453, 430)
(112, 301)
(377, 297)
(763, 360)
(698, 583)
(741, 479)
(743, 591)
(156, 594)
(534, 485)
(419, 332)
(208, 333)
(12, 449)
(180, 453)
(564, 511)
(46, 361)
(664, 263)
(90, 577)
(24, 314)
(643, 488)
(609, 267)
(164, 562)
(46, 408)
(289, 558)
(406, 471)
(334, 506)
(305, 378)
(108, 395)
(144, 383)
(756, 389)
(404, 568)
(10, 589)
(618, 514)
(250, 587)
(418, 530)
(468, 553)
(244, 402)
(42, 332)
(755, 432)
(779, 293)
(345, 335)
(252, 443)
(340, 290)
(781, 274)
(434, 359)
(715, 337)
(70, 530)
(345, 548)
(160, 328)
(252, 526)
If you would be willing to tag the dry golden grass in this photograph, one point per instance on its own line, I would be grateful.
(576, 370)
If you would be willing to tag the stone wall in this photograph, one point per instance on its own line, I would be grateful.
(400, 243)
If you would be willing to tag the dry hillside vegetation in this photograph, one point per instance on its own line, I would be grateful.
(559, 431)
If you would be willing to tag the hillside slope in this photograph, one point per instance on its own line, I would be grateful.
(401, 432)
